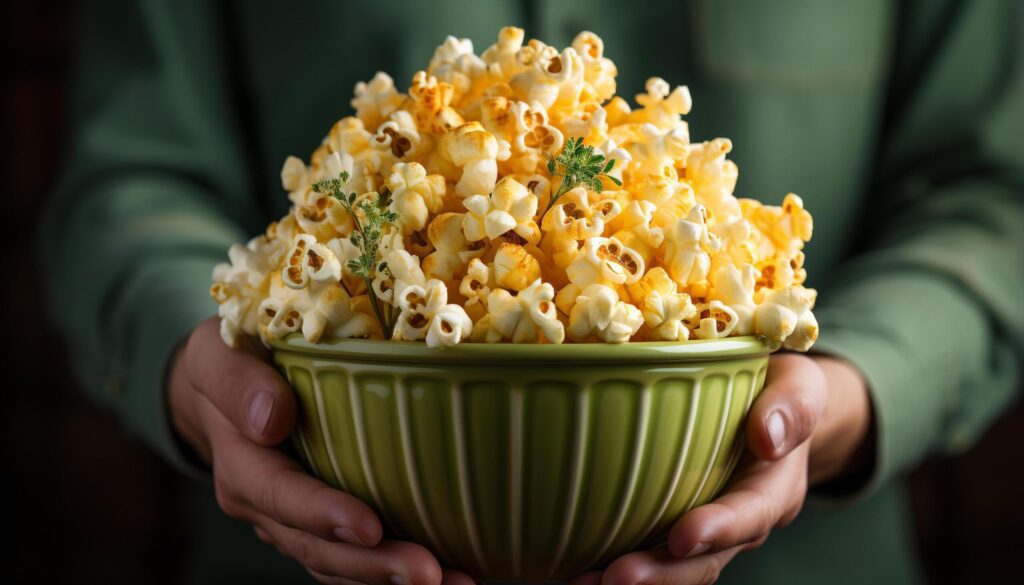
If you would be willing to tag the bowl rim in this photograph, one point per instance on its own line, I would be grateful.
(648, 352)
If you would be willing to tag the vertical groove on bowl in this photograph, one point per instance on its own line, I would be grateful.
(737, 448)
(307, 412)
(615, 411)
(677, 472)
(306, 457)
(325, 432)
(458, 424)
(516, 476)
(638, 459)
(582, 412)
(412, 477)
(716, 451)
(365, 463)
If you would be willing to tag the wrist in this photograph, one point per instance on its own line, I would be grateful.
(842, 446)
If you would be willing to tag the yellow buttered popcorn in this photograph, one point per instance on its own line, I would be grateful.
(513, 197)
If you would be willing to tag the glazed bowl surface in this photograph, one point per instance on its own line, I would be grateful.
(524, 462)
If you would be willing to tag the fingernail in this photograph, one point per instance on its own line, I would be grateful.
(259, 411)
(698, 549)
(776, 429)
(398, 580)
(347, 535)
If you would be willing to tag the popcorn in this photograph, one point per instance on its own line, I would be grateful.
(553, 79)
(660, 106)
(451, 249)
(509, 208)
(575, 218)
(476, 151)
(714, 320)
(399, 139)
(785, 315)
(414, 195)
(426, 314)
(308, 261)
(490, 184)
(665, 310)
(432, 104)
(241, 284)
(599, 313)
(532, 131)
(455, 63)
(637, 231)
(403, 270)
(376, 100)
(713, 178)
(282, 318)
(529, 317)
(686, 256)
(330, 312)
(787, 227)
(477, 284)
(514, 267)
(734, 286)
(598, 71)
(502, 57)
(605, 261)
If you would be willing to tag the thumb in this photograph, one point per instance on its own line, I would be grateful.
(240, 384)
(792, 402)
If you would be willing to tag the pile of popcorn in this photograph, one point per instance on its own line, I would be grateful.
(669, 255)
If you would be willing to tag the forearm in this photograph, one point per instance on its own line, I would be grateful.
(153, 192)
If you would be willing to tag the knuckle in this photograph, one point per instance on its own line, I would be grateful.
(713, 569)
(756, 544)
(628, 570)
(303, 551)
(805, 414)
(267, 499)
(227, 500)
(790, 515)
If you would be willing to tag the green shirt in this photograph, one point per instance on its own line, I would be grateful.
(900, 125)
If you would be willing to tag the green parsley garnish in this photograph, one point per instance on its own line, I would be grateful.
(578, 165)
(370, 215)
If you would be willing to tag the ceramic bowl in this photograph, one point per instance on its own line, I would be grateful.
(524, 462)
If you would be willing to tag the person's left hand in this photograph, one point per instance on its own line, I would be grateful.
(810, 424)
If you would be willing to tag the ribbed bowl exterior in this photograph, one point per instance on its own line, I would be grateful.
(530, 467)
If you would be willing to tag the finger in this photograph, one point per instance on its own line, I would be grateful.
(589, 578)
(247, 390)
(455, 577)
(329, 580)
(787, 410)
(392, 562)
(271, 483)
(770, 495)
(658, 567)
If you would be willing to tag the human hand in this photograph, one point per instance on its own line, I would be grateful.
(232, 408)
(810, 424)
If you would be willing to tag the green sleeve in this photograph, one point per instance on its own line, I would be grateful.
(931, 309)
(154, 191)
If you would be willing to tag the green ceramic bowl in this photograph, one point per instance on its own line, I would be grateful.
(525, 462)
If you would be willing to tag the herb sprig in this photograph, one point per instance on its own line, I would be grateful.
(369, 230)
(578, 165)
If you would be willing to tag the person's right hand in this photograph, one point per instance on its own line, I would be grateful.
(232, 408)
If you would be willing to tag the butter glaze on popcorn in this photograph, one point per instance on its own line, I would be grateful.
(670, 255)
